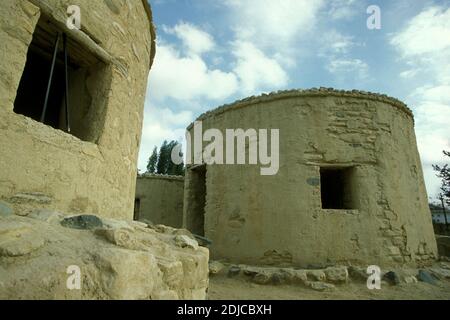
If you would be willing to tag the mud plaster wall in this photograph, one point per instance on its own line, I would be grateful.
(279, 219)
(160, 199)
(63, 172)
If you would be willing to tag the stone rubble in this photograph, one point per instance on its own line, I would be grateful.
(326, 279)
(117, 259)
(85, 221)
(391, 277)
(336, 274)
(184, 241)
(215, 267)
(357, 273)
(321, 286)
(425, 276)
(410, 279)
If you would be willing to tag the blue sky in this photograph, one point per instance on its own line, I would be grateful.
(211, 52)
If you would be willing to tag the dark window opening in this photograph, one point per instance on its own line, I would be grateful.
(337, 188)
(33, 86)
(86, 79)
(137, 209)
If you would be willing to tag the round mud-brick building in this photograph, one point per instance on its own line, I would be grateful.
(349, 187)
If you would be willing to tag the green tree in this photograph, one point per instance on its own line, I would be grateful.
(443, 172)
(152, 161)
(173, 168)
(163, 159)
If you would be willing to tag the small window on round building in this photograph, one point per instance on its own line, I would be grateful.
(337, 188)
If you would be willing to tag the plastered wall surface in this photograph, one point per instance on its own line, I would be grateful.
(56, 169)
(160, 199)
(278, 219)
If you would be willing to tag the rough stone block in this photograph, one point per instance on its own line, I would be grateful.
(35, 256)
(184, 241)
(321, 286)
(336, 274)
(85, 222)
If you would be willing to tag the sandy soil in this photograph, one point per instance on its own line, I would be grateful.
(221, 287)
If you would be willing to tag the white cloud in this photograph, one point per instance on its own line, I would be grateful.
(271, 31)
(270, 23)
(407, 74)
(161, 123)
(436, 94)
(264, 33)
(187, 77)
(334, 42)
(424, 44)
(432, 114)
(336, 50)
(268, 39)
(341, 44)
(181, 76)
(342, 9)
(431, 141)
(428, 32)
(348, 67)
(195, 40)
(255, 70)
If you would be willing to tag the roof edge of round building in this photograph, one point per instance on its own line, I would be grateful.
(159, 176)
(149, 12)
(313, 92)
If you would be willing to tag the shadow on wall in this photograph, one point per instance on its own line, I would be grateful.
(159, 199)
(196, 200)
(441, 229)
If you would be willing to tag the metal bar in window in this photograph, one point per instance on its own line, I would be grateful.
(66, 75)
(55, 51)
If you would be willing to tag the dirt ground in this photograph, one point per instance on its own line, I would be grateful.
(223, 288)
